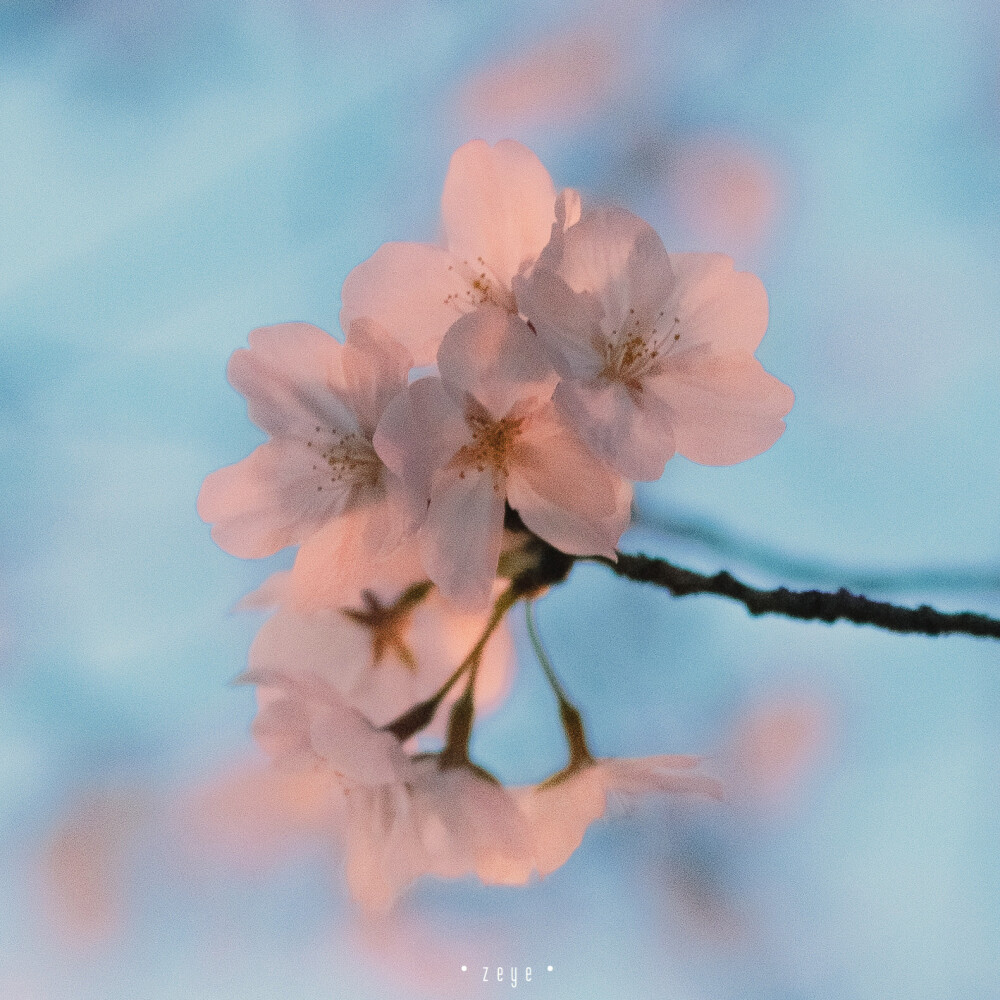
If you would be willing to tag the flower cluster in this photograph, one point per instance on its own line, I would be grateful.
(492, 397)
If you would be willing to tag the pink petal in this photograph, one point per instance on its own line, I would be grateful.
(363, 547)
(383, 852)
(281, 730)
(560, 814)
(272, 592)
(419, 432)
(568, 323)
(414, 290)
(463, 534)
(563, 492)
(493, 356)
(617, 258)
(498, 204)
(632, 434)
(716, 304)
(473, 825)
(325, 643)
(275, 497)
(670, 774)
(725, 408)
(291, 378)
(375, 371)
(338, 733)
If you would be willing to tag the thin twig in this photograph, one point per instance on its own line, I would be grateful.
(420, 715)
(569, 714)
(807, 605)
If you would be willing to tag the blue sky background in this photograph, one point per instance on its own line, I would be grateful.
(173, 178)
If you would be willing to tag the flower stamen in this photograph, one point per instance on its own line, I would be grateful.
(484, 288)
(635, 352)
(351, 460)
(493, 443)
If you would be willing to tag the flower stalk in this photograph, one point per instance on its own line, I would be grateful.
(421, 715)
(569, 714)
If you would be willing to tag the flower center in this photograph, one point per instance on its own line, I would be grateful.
(484, 288)
(493, 443)
(389, 625)
(636, 351)
(350, 460)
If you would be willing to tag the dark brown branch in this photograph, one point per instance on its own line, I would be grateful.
(542, 565)
(807, 605)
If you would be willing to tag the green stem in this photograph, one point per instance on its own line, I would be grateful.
(569, 714)
(420, 715)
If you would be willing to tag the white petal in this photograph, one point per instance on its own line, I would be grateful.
(717, 305)
(277, 496)
(419, 433)
(462, 535)
(633, 435)
(724, 408)
(498, 204)
(492, 355)
(414, 290)
(375, 371)
(363, 547)
(564, 493)
(292, 380)
(349, 744)
(560, 814)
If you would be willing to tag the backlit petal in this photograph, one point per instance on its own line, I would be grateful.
(634, 435)
(724, 408)
(493, 356)
(419, 432)
(498, 204)
(375, 371)
(463, 534)
(564, 493)
(717, 305)
(414, 290)
(364, 547)
(291, 378)
(277, 496)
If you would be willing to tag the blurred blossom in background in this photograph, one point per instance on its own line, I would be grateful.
(177, 174)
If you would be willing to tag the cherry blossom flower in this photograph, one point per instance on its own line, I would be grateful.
(406, 816)
(497, 209)
(440, 820)
(396, 648)
(572, 354)
(318, 481)
(654, 350)
(486, 433)
(308, 725)
(560, 809)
